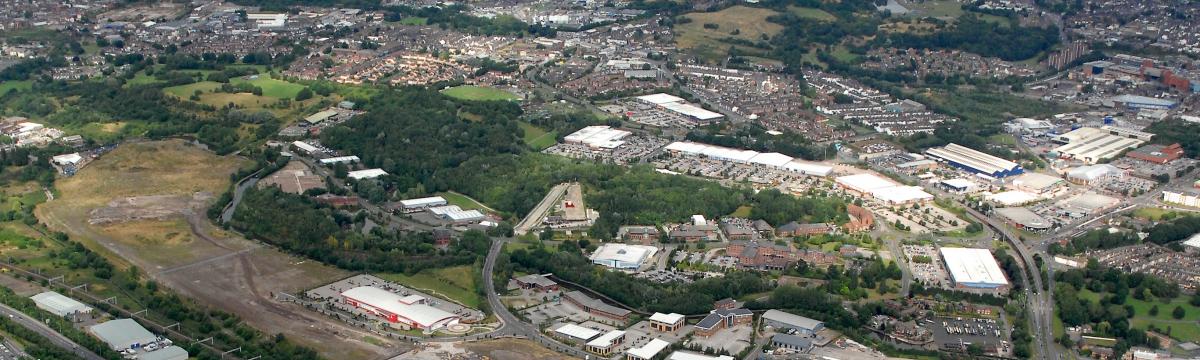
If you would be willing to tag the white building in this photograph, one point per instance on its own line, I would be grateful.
(412, 311)
(305, 147)
(456, 214)
(366, 174)
(59, 304)
(577, 333)
(648, 351)
(67, 159)
(339, 159)
(411, 205)
(883, 189)
(1181, 198)
(121, 334)
(1092, 145)
(1013, 198)
(598, 137)
(973, 268)
(750, 157)
(623, 256)
(680, 106)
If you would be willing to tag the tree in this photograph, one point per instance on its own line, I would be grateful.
(1154, 310)
(304, 94)
(1178, 313)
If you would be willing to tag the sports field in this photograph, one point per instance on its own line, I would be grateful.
(478, 93)
(272, 87)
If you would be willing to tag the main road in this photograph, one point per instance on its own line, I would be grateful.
(45, 331)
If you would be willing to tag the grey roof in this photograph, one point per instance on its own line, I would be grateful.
(709, 321)
(536, 279)
(123, 333)
(762, 225)
(597, 305)
(791, 340)
(792, 320)
(168, 353)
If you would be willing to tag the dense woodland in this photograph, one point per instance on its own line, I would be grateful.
(1111, 315)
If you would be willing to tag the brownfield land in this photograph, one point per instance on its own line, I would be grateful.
(179, 247)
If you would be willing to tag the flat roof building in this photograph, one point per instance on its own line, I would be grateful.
(339, 159)
(59, 304)
(596, 307)
(421, 203)
(750, 157)
(1023, 218)
(576, 333)
(1092, 145)
(167, 353)
(1037, 183)
(666, 322)
(320, 116)
(366, 174)
(975, 161)
(411, 310)
(680, 106)
(1013, 198)
(648, 351)
(305, 147)
(973, 268)
(605, 344)
(456, 214)
(598, 137)
(883, 189)
(782, 320)
(121, 334)
(622, 256)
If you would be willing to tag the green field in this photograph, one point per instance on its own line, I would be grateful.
(742, 211)
(1185, 329)
(184, 91)
(10, 85)
(537, 138)
(271, 87)
(1151, 213)
(413, 20)
(463, 201)
(141, 79)
(478, 93)
(456, 283)
(811, 13)
(750, 24)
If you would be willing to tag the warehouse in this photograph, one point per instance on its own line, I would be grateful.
(598, 137)
(455, 214)
(339, 159)
(1086, 205)
(366, 174)
(751, 157)
(576, 333)
(622, 256)
(1086, 175)
(60, 305)
(680, 106)
(1142, 102)
(791, 342)
(411, 311)
(883, 189)
(1128, 133)
(958, 185)
(1092, 145)
(1035, 183)
(305, 147)
(413, 205)
(67, 159)
(1023, 218)
(973, 269)
(121, 334)
(1013, 198)
(974, 161)
(168, 353)
(648, 351)
(787, 321)
(320, 117)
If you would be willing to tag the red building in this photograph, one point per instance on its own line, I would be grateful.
(1158, 154)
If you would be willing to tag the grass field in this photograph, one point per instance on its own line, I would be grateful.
(811, 13)
(456, 283)
(272, 87)
(184, 91)
(141, 79)
(478, 93)
(1151, 213)
(10, 85)
(245, 100)
(537, 138)
(742, 211)
(463, 201)
(750, 23)
(1185, 329)
(413, 20)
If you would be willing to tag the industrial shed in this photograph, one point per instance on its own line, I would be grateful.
(123, 334)
(973, 268)
(59, 304)
(975, 161)
(408, 310)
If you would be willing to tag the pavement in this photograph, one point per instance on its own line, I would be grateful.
(45, 331)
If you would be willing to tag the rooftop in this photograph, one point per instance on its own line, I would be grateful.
(973, 266)
(651, 349)
(424, 315)
(792, 319)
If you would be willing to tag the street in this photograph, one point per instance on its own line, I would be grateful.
(45, 331)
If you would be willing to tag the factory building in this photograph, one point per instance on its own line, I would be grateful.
(883, 189)
(972, 160)
(60, 305)
(623, 256)
(1087, 175)
(414, 205)
(974, 269)
(1092, 145)
(788, 321)
(366, 174)
(1023, 218)
(598, 137)
(750, 157)
(411, 311)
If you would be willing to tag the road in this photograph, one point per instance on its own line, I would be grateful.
(238, 191)
(1040, 303)
(45, 331)
(535, 216)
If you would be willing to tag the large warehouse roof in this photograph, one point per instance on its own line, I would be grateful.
(58, 304)
(123, 334)
(1092, 172)
(865, 182)
(1036, 182)
(425, 201)
(1013, 198)
(775, 160)
(1092, 144)
(973, 267)
(974, 160)
(691, 110)
(883, 189)
(598, 137)
(792, 320)
(578, 332)
(168, 353)
(424, 315)
(622, 255)
(1024, 217)
(660, 98)
(366, 174)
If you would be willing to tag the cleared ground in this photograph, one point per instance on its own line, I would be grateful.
(750, 24)
(455, 283)
(478, 93)
(190, 255)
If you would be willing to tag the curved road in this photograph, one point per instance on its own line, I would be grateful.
(45, 331)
